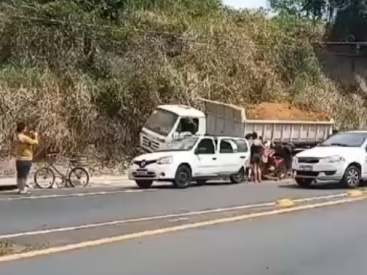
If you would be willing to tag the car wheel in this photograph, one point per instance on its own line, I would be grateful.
(145, 184)
(238, 177)
(352, 177)
(304, 183)
(183, 176)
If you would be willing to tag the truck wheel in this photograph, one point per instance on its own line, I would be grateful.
(352, 176)
(239, 177)
(304, 183)
(183, 176)
(145, 184)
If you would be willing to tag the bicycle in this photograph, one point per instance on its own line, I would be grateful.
(73, 169)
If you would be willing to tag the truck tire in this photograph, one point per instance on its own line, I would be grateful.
(352, 176)
(304, 183)
(183, 176)
(144, 184)
(238, 177)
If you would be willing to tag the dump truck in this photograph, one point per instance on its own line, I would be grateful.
(169, 122)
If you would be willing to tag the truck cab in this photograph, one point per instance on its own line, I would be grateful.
(169, 122)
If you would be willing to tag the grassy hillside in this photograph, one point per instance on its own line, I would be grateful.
(87, 76)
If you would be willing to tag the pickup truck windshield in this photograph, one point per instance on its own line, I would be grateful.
(161, 122)
(345, 140)
(184, 144)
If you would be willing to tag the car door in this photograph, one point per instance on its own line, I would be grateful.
(207, 162)
(227, 156)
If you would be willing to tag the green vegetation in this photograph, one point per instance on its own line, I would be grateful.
(347, 20)
(8, 247)
(87, 73)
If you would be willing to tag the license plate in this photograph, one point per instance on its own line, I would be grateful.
(305, 168)
(142, 172)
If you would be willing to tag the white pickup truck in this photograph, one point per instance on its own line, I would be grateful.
(193, 158)
(342, 158)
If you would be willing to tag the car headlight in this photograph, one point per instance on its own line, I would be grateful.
(165, 160)
(334, 159)
(295, 160)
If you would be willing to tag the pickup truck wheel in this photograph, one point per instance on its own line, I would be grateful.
(304, 183)
(145, 184)
(238, 177)
(352, 177)
(183, 176)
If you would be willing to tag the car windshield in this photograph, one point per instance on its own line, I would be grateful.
(161, 122)
(183, 144)
(346, 140)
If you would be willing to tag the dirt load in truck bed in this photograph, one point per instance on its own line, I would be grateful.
(283, 111)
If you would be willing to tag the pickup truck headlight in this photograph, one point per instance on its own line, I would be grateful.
(334, 159)
(165, 160)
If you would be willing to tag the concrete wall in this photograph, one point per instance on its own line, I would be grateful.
(342, 64)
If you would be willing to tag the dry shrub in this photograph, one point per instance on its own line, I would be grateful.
(89, 89)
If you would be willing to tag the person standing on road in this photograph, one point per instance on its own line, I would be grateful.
(25, 142)
(256, 151)
(249, 166)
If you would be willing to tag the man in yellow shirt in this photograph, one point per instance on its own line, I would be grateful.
(24, 155)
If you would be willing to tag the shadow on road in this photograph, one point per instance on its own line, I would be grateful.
(325, 186)
(192, 185)
(7, 188)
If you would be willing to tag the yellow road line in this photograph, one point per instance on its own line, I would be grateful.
(174, 215)
(104, 241)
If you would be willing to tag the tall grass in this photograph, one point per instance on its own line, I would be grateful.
(88, 80)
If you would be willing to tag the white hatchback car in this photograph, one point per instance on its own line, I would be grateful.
(194, 158)
(342, 158)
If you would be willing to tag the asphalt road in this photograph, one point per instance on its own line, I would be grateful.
(50, 212)
(325, 241)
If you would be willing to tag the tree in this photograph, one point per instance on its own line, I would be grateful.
(347, 18)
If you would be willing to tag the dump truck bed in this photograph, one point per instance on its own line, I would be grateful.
(297, 132)
(227, 119)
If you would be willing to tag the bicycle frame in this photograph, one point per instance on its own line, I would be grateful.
(63, 176)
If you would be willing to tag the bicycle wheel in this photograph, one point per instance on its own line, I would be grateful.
(44, 178)
(78, 176)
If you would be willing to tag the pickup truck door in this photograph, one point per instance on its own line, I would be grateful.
(230, 157)
(207, 162)
(243, 150)
(364, 166)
